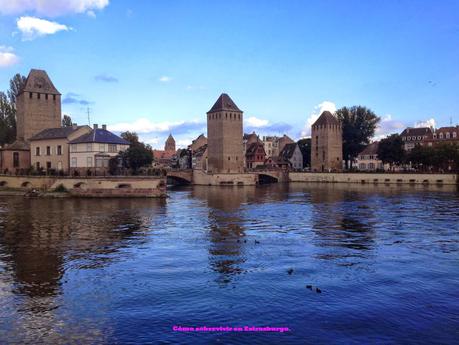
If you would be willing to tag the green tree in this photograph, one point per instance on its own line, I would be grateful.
(359, 125)
(138, 154)
(132, 137)
(8, 110)
(390, 150)
(67, 121)
(421, 157)
(305, 147)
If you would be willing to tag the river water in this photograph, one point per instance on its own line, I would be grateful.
(122, 271)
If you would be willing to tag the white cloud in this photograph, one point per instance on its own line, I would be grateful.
(165, 79)
(426, 123)
(144, 125)
(52, 8)
(255, 122)
(7, 57)
(318, 109)
(388, 126)
(32, 27)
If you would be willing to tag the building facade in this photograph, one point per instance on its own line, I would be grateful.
(255, 155)
(291, 153)
(49, 149)
(415, 136)
(443, 135)
(224, 131)
(92, 151)
(367, 160)
(327, 144)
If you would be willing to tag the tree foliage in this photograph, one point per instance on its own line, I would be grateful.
(359, 125)
(67, 121)
(390, 150)
(138, 155)
(305, 148)
(132, 137)
(441, 157)
(8, 110)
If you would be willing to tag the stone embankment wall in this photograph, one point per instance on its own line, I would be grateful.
(383, 178)
(91, 186)
(201, 178)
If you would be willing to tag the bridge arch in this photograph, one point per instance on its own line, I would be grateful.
(266, 178)
(179, 177)
(3, 184)
(26, 184)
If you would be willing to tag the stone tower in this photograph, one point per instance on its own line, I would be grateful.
(224, 132)
(327, 144)
(170, 144)
(38, 105)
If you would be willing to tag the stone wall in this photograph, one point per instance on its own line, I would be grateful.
(91, 187)
(379, 178)
(201, 178)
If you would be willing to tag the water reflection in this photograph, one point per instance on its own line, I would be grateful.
(226, 233)
(42, 240)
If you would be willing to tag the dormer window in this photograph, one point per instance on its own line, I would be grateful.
(447, 135)
(454, 134)
(441, 135)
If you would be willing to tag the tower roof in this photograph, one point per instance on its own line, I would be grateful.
(170, 138)
(224, 102)
(38, 81)
(326, 118)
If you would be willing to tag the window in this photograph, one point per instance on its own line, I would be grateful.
(89, 162)
(89, 147)
(38, 95)
(441, 135)
(408, 138)
(59, 165)
(46, 96)
(454, 134)
(30, 94)
(102, 147)
(229, 157)
(73, 163)
(59, 150)
(73, 148)
(48, 165)
(54, 97)
(447, 135)
(37, 151)
(112, 148)
(15, 159)
(38, 165)
(48, 150)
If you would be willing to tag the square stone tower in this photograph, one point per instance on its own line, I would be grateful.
(38, 105)
(170, 144)
(327, 144)
(224, 131)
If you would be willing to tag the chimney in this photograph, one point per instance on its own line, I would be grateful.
(74, 126)
(104, 127)
(96, 126)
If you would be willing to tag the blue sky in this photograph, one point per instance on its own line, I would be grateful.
(158, 66)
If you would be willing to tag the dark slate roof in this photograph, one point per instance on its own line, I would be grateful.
(38, 81)
(252, 149)
(100, 135)
(224, 102)
(417, 131)
(18, 145)
(326, 118)
(55, 133)
(371, 149)
(288, 150)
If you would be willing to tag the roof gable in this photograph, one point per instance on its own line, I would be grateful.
(39, 81)
(100, 135)
(224, 102)
(326, 118)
